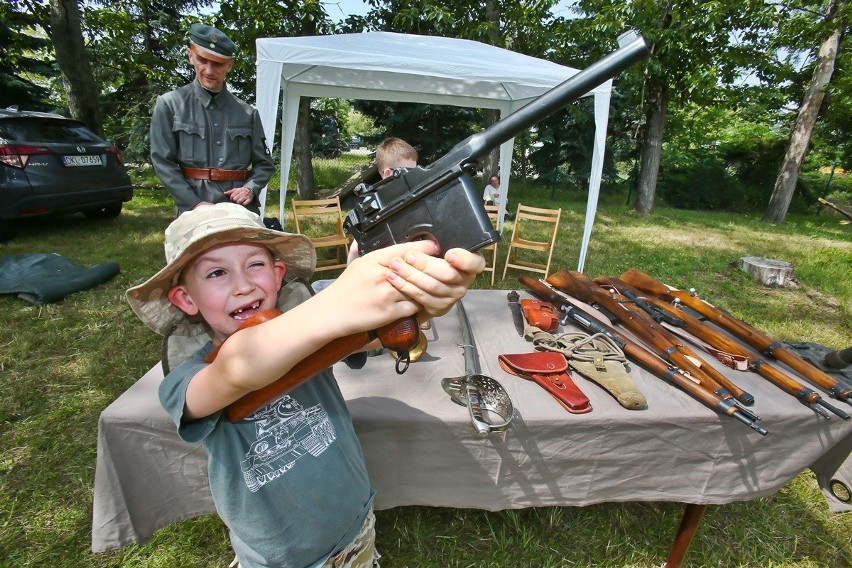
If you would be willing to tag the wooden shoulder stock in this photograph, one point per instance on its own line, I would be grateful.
(301, 372)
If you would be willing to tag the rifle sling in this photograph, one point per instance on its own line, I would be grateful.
(736, 362)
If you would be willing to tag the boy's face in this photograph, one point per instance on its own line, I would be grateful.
(227, 284)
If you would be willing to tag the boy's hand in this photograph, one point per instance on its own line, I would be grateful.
(435, 283)
(399, 281)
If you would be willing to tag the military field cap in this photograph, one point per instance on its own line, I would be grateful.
(212, 43)
(194, 232)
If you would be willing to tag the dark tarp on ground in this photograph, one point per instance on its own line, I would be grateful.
(48, 277)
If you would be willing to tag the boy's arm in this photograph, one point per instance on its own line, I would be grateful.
(378, 288)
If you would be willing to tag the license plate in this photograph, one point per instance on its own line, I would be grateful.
(82, 160)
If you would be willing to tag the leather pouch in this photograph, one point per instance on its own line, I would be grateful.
(550, 370)
(540, 314)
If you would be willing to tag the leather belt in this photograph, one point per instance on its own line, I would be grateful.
(215, 174)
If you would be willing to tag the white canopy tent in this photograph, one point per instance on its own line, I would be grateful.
(411, 68)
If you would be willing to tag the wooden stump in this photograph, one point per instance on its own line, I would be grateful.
(769, 272)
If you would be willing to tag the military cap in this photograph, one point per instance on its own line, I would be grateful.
(212, 43)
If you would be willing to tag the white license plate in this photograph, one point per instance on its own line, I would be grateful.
(82, 160)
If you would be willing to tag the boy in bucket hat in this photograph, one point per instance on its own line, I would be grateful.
(289, 480)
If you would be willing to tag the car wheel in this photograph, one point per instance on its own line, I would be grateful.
(108, 212)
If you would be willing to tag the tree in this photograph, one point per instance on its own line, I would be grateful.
(800, 135)
(696, 48)
(248, 20)
(67, 37)
(24, 67)
(138, 51)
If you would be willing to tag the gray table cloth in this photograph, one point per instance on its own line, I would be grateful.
(421, 448)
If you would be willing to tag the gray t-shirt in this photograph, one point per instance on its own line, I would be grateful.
(289, 480)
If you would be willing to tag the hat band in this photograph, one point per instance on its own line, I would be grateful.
(209, 53)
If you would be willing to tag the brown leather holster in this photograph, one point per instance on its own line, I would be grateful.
(550, 370)
(540, 314)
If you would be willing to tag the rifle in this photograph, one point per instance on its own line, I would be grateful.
(704, 332)
(741, 330)
(642, 356)
(440, 202)
(661, 340)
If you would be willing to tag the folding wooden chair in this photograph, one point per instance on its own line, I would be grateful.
(535, 230)
(490, 252)
(321, 220)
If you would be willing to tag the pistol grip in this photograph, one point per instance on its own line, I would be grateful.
(400, 336)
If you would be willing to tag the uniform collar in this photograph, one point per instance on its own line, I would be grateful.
(205, 97)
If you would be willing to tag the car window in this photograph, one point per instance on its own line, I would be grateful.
(45, 130)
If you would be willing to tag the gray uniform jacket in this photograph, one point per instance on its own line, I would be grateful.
(191, 128)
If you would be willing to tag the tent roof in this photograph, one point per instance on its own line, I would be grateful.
(424, 69)
(404, 67)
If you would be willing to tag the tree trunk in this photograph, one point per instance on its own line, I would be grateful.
(652, 148)
(491, 164)
(305, 186)
(800, 136)
(77, 78)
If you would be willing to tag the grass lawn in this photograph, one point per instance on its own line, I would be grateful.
(61, 364)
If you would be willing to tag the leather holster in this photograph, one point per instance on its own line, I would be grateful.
(550, 370)
(540, 314)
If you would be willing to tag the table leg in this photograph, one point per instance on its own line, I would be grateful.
(692, 515)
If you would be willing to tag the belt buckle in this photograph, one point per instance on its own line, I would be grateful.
(214, 174)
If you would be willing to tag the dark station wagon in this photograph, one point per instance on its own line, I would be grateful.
(52, 164)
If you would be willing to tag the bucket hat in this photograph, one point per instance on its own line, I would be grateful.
(194, 232)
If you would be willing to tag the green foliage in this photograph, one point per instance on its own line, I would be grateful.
(736, 71)
(247, 20)
(717, 159)
(137, 51)
(431, 129)
(24, 66)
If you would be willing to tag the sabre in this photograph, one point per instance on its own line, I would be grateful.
(484, 397)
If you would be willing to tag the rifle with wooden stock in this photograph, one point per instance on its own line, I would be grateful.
(741, 330)
(640, 355)
(659, 339)
(724, 343)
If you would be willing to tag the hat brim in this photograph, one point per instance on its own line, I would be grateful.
(150, 300)
(209, 53)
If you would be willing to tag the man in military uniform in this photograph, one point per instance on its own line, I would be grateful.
(207, 145)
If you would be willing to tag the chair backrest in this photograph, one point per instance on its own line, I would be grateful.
(491, 263)
(535, 229)
(493, 214)
(318, 217)
(535, 224)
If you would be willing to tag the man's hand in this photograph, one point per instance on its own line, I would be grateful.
(240, 195)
